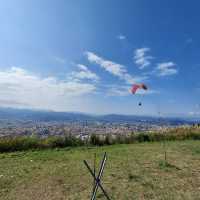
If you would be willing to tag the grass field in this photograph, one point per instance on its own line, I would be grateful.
(134, 171)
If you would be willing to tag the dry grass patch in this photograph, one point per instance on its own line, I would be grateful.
(134, 171)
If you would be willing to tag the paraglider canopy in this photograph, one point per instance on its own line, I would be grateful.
(135, 87)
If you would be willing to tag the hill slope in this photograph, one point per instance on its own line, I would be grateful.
(132, 172)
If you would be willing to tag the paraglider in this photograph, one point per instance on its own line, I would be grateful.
(136, 87)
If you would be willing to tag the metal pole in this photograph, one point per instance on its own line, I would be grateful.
(165, 150)
(98, 178)
(94, 172)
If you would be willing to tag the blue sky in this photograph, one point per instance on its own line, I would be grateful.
(84, 55)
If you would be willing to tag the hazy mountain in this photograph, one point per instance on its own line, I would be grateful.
(11, 114)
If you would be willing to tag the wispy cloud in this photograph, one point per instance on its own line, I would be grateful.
(59, 60)
(194, 113)
(84, 73)
(121, 37)
(19, 87)
(189, 41)
(113, 68)
(166, 69)
(116, 90)
(141, 58)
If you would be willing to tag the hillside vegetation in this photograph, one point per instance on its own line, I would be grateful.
(134, 171)
(19, 143)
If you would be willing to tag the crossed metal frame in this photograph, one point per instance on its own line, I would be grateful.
(98, 178)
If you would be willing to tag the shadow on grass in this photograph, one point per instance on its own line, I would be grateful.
(195, 151)
(141, 181)
(167, 165)
(134, 177)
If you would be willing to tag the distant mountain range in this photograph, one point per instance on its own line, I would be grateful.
(11, 114)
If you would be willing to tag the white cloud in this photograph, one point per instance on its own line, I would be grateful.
(166, 69)
(60, 60)
(147, 92)
(84, 73)
(82, 67)
(20, 88)
(189, 41)
(194, 114)
(113, 68)
(116, 90)
(121, 37)
(141, 59)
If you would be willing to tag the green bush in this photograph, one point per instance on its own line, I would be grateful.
(96, 140)
(18, 143)
(143, 137)
(9, 144)
(108, 140)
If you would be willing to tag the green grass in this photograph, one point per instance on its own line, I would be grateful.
(135, 171)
